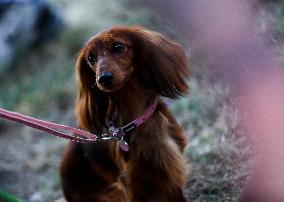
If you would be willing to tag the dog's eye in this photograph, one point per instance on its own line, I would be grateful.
(91, 59)
(117, 47)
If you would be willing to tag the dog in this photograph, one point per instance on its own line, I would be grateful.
(120, 73)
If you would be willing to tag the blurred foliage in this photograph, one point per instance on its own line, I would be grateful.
(272, 18)
(37, 78)
(43, 77)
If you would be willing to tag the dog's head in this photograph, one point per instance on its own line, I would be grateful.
(109, 59)
(113, 57)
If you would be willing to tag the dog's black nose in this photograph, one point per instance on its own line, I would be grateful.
(106, 79)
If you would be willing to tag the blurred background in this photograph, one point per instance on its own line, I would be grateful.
(229, 45)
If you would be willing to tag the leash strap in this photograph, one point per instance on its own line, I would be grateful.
(51, 128)
(78, 135)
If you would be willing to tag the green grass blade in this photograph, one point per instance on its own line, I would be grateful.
(8, 197)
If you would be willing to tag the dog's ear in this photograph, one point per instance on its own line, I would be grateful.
(91, 103)
(162, 64)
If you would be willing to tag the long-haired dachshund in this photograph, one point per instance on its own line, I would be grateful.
(120, 73)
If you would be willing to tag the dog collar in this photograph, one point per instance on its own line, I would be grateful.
(78, 135)
(117, 134)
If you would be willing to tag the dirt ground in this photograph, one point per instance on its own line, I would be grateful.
(29, 163)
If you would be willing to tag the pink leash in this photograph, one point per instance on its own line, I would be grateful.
(51, 128)
(77, 135)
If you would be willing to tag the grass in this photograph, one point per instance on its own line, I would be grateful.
(217, 153)
(36, 80)
(7, 197)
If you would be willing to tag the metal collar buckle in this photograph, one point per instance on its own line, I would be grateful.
(115, 134)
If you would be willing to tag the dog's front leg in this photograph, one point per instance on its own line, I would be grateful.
(90, 180)
(158, 175)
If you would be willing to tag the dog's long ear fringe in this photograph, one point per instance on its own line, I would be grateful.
(162, 63)
(91, 104)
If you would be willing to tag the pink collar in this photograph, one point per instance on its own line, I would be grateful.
(78, 135)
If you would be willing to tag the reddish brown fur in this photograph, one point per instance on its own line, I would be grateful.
(154, 168)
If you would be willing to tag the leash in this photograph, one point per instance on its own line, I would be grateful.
(78, 135)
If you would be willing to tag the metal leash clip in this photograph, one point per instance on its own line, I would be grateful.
(115, 134)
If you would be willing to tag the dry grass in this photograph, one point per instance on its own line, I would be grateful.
(217, 153)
